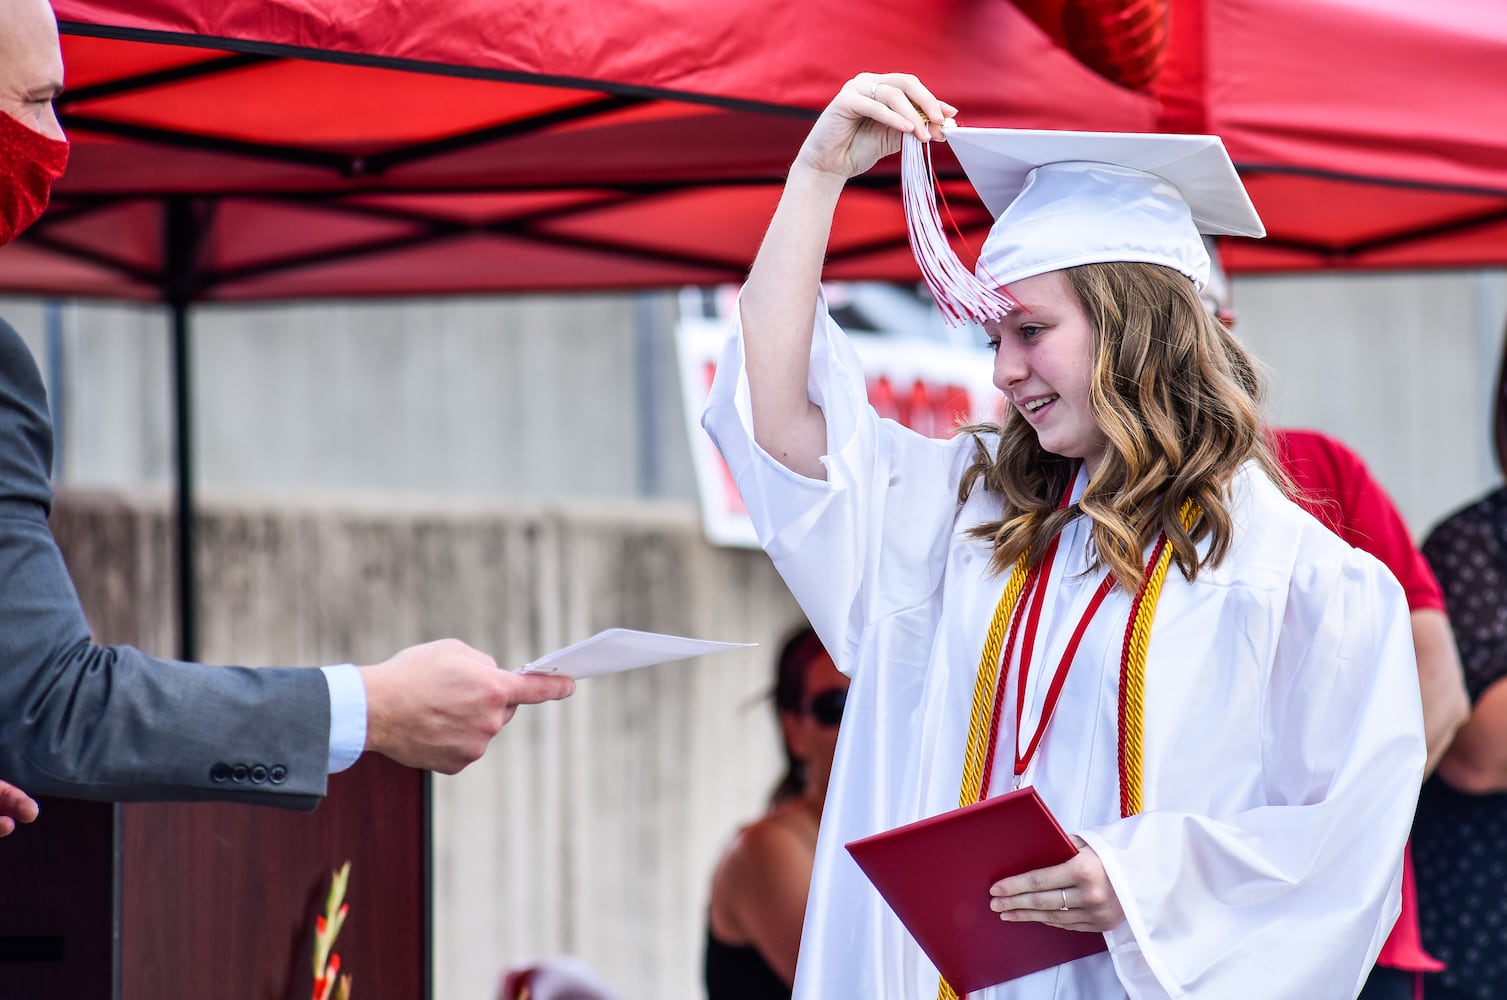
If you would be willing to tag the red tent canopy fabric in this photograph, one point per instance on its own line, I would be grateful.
(245, 149)
(1370, 133)
(255, 149)
(270, 149)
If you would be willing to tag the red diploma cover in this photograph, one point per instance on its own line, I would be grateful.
(936, 873)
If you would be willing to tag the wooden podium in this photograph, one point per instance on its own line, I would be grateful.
(150, 900)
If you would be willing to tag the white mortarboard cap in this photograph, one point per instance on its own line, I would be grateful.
(1066, 198)
(1061, 199)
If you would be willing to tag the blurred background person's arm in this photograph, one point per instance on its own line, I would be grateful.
(1476, 761)
(1468, 553)
(1441, 681)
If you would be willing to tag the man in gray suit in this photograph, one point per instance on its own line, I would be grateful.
(88, 721)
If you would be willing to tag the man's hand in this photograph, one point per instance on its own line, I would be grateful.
(438, 705)
(15, 807)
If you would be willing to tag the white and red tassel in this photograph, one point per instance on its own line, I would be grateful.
(961, 296)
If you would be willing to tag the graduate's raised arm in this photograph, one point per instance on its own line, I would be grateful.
(863, 123)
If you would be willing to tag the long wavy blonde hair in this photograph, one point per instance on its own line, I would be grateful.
(1178, 399)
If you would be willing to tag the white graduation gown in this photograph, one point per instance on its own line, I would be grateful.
(1283, 732)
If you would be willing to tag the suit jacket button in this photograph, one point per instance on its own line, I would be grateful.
(278, 774)
(258, 773)
(239, 773)
(219, 773)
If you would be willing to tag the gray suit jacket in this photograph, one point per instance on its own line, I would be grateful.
(109, 722)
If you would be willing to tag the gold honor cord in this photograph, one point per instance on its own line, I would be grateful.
(1133, 668)
(1132, 684)
(979, 721)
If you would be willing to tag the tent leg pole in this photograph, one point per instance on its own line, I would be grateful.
(188, 624)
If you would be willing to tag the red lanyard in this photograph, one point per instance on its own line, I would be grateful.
(1059, 676)
(1035, 595)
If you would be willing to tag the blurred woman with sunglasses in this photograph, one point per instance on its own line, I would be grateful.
(759, 889)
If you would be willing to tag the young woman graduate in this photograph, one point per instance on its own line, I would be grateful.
(1106, 595)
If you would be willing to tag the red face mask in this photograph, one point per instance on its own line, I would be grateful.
(29, 164)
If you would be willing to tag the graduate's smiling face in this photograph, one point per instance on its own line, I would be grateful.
(1044, 364)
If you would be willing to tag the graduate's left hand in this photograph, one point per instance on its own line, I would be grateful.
(1080, 884)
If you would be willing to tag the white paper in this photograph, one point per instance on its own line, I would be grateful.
(618, 649)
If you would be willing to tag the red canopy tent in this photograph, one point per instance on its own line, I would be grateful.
(252, 150)
(1370, 133)
(258, 149)
(248, 150)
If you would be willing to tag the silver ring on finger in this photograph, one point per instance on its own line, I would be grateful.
(874, 90)
(1064, 905)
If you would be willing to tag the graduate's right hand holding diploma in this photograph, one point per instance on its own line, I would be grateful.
(1075, 895)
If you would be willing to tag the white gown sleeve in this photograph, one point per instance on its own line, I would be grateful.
(1299, 893)
(872, 539)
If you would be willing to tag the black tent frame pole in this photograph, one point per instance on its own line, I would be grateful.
(188, 612)
(182, 237)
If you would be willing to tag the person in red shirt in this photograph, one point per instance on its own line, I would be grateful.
(1333, 484)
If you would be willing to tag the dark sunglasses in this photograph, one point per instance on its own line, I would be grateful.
(826, 707)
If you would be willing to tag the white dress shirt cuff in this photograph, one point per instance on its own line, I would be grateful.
(347, 715)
